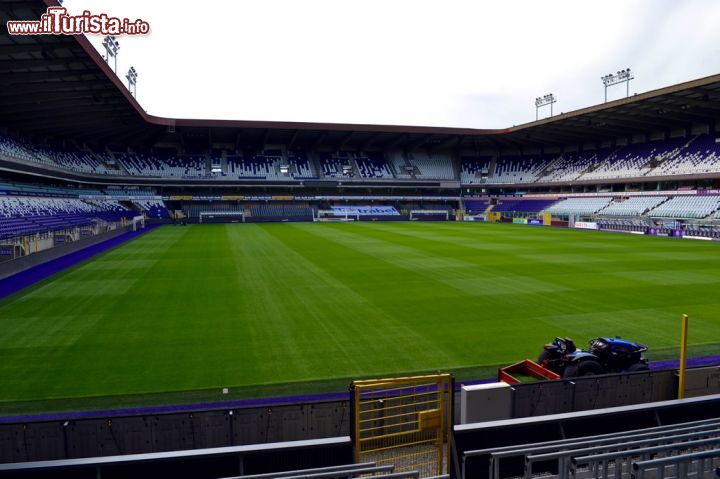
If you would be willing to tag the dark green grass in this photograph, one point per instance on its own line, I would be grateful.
(179, 313)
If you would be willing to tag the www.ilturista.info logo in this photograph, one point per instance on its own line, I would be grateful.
(57, 22)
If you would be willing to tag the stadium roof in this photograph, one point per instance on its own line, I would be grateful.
(60, 87)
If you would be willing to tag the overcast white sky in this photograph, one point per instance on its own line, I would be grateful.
(466, 63)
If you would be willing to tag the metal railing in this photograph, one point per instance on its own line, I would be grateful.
(599, 463)
(704, 463)
(564, 458)
(496, 455)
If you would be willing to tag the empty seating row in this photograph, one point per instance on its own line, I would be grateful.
(474, 170)
(675, 156)
(193, 210)
(335, 165)
(523, 206)
(635, 159)
(623, 224)
(579, 206)
(519, 169)
(702, 155)
(687, 207)
(20, 216)
(635, 206)
(421, 165)
(154, 209)
(148, 164)
(570, 166)
(372, 165)
(281, 211)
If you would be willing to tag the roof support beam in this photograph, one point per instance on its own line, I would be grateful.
(318, 141)
(292, 140)
(345, 139)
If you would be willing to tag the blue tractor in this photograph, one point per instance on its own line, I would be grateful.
(604, 355)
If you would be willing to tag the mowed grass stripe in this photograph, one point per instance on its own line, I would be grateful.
(316, 326)
(209, 306)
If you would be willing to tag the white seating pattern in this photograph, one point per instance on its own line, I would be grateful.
(571, 165)
(431, 167)
(144, 164)
(634, 160)
(519, 169)
(635, 206)
(20, 206)
(579, 206)
(701, 156)
(470, 166)
(687, 207)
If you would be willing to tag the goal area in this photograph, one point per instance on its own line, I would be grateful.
(429, 215)
(332, 215)
(138, 222)
(221, 217)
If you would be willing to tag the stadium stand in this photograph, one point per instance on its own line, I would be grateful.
(472, 169)
(421, 165)
(193, 210)
(569, 166)
(148, 164)
(435, 167)
(701, 155)
(73, 160)
(634, 206)
(29, 215)
(520, 169)
(154, 209)
(335, 165)
(634, 160)
(687, 207)
(280, 211)
(16, 148)
(476, 206)
(677, 156)
(623, 224)
(264, 164)
(579, 206)
(303, 168)
(372, 165)
(523, 206)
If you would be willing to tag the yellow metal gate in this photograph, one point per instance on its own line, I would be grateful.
(404, 422)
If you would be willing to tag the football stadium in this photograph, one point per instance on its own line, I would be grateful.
(215, 298)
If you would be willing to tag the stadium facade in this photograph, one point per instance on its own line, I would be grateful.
(71, 128)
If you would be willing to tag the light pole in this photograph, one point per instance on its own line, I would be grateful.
(132, 81)
(614, 79)
(542, 101)
(111, 49)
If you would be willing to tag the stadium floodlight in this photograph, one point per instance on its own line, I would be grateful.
(112, 46)
(132, 81)
(622, 76)
(542, 101)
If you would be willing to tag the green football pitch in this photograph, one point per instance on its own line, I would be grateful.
(182, 312)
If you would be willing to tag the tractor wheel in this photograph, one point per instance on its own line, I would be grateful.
(638, 367)
(571, 371)
(589, 367)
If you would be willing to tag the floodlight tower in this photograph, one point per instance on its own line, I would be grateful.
(542, 101)
(132, 81)
(622, 76)
(111, 49)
